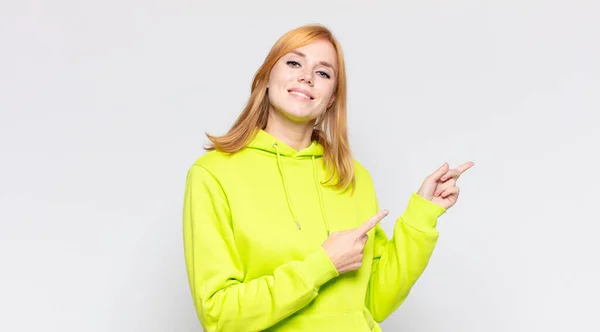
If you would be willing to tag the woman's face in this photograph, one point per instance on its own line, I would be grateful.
(302, 82)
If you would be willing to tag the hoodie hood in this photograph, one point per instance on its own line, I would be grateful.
(269, 143)
(266, 142)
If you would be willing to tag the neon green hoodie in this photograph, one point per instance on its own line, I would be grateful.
(254, 223)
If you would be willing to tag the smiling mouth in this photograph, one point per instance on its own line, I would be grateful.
(300, 95)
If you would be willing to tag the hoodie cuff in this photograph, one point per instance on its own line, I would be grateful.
(317, 268)
(422, 214)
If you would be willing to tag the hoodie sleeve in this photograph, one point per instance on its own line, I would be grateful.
(400, 261)
(223, 299)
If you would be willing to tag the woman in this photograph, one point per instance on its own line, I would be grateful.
(281, 225)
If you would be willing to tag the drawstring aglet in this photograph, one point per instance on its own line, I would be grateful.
(297, 224)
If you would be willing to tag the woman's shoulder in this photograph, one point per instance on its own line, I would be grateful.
(213, 160)
(362, 175)
(360, 170)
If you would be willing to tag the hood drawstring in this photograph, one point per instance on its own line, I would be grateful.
(318, 185)
(287, 196)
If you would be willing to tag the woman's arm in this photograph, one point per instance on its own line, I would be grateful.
(399, 262)
(223, 300)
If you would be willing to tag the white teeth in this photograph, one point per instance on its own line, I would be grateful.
(300, 94)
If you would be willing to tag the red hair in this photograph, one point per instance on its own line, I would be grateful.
(331, 129)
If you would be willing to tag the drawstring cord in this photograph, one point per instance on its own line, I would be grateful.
(287, 196)
(318, 185)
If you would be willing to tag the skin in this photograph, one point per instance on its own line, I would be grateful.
(292, 118)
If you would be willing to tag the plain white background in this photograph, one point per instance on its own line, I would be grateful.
(104, 106)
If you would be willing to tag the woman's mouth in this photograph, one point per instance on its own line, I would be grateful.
(300, 95)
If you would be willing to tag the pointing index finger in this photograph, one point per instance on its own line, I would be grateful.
(457, 172)
(372, 222)
(462, 168)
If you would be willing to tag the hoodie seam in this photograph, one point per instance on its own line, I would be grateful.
(431, 232)
(220, 188)
(273, 155)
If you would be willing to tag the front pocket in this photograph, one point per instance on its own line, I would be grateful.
(363, 322)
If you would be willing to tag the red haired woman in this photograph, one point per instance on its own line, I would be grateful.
(281, 225)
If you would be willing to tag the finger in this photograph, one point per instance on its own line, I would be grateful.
(435, 176)
(456, 172)
(444, 186)
(372, 222)
(453, 173)
(450, 191)
(462, 168)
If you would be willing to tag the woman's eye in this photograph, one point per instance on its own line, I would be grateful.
(296, 64)
(324, 74)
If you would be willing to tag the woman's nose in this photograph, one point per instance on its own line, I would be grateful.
(306, 77)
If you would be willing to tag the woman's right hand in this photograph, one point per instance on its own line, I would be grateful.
(345, 249)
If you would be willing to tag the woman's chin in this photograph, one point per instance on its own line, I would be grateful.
(301, 117)
(297, 114)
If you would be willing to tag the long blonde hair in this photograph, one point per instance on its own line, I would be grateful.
(331, 128)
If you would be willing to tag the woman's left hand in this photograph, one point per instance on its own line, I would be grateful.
(440, 186)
